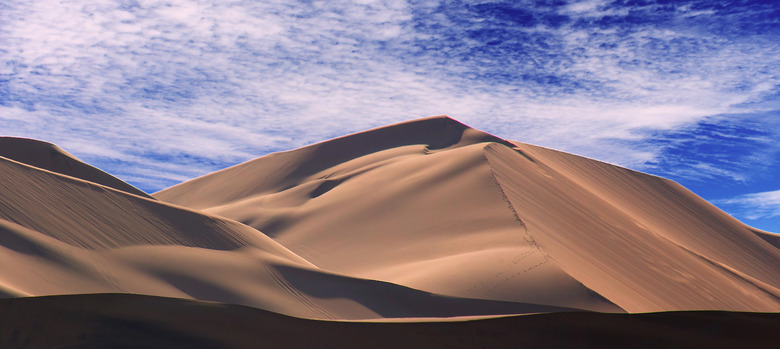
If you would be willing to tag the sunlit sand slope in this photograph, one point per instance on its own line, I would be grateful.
(644, 242)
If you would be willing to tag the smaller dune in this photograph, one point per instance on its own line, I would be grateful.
(50, 157)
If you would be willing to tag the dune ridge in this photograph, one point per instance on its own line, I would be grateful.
(436, 237)
(456, 211)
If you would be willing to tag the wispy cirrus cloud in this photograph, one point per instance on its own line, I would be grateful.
(755, 205)
(165, 90)
(732, 147)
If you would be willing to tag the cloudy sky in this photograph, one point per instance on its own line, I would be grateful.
(157, 92)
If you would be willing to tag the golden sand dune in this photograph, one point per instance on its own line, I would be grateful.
(50, 157)
(638, 239)
(423, 219)
(438, 206)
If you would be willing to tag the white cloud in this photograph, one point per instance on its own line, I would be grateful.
(587, 6)
(754, 206)
(225, 81)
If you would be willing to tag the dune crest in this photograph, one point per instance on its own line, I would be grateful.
(441, 207)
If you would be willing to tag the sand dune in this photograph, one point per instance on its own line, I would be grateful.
(636, 238)
(414, 204)
(50, 157)
(63, 235)
(438, 206)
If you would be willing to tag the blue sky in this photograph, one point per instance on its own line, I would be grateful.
(157, 92)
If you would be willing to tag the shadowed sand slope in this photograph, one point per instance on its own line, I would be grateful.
(61, 235)
(772, 238)
(133, 321)
(50, 157)
(438, 206)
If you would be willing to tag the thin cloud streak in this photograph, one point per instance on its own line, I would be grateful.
(756, 205)
(733, 147)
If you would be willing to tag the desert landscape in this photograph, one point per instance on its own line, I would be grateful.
(426, 233)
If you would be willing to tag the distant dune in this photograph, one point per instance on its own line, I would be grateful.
(50, 157)
(427, 219)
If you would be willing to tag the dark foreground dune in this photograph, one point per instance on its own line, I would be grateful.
(124, 320)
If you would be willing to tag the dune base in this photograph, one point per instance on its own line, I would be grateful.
(124, 321)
